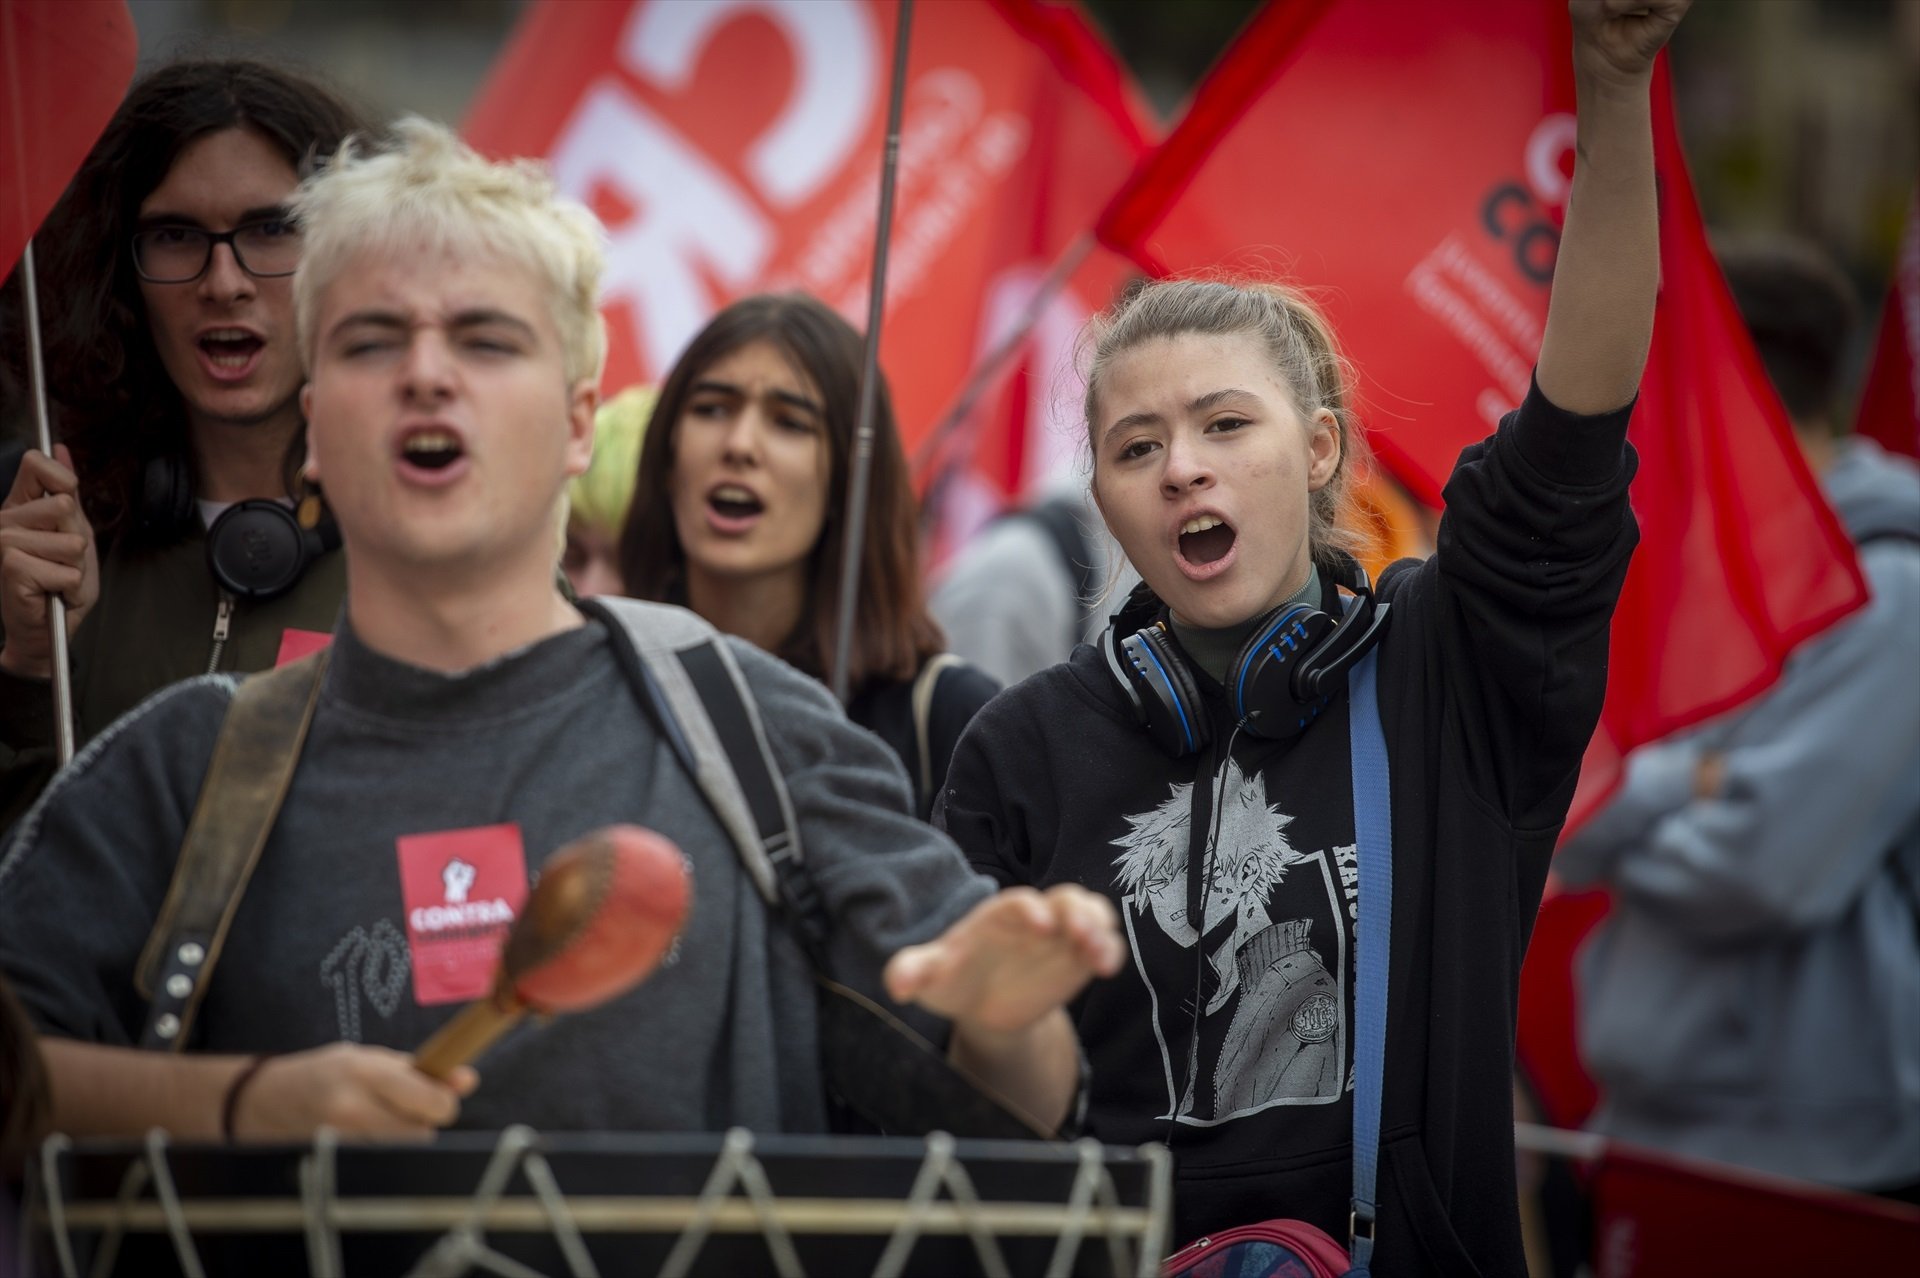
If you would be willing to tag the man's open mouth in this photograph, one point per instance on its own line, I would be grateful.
(229, 347)
(432, 449)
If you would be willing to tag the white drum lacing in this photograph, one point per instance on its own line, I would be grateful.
(942, 1201)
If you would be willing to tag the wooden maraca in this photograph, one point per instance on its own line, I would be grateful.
(605, 910)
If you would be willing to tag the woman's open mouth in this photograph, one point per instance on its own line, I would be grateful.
(732, 508)
(1206, 542)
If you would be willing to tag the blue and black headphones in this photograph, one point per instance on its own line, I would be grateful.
(1283, 676)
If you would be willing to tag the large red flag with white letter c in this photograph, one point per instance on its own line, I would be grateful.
(63, 69)
(734, 146)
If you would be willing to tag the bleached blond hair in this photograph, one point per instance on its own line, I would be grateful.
(422, 190)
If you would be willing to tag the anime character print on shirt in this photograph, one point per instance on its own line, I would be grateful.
(1270, 972)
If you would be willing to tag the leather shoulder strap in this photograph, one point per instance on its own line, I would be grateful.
(252, 766)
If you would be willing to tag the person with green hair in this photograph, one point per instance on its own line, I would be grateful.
(597, 501)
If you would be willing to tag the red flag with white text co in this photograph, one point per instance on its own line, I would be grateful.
(1890, 401)
(63, 70)
(1416, 171)
(734, 146)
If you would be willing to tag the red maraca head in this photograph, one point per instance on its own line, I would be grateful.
(604, 912)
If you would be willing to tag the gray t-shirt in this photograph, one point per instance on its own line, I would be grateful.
(327, 943)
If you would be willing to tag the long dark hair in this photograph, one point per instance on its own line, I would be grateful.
(892, 630)
(117, 407)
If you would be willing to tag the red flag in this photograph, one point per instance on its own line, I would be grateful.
(1418, 170)
(1890, 402)
(1024, 437)
(65, 67)
(734, 146)
(1659, 1216)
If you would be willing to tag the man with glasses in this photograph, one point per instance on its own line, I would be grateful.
(171, 519)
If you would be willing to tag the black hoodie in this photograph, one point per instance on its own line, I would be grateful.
(1492, 674)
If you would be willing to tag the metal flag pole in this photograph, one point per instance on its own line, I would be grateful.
(862, 458)
(954, 435)
(43, 425)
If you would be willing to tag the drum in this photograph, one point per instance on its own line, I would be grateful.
(520, 1203)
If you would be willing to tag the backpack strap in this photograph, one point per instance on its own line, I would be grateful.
(923, 688)
(676, 661)
(876, 1064)
(773, 850)
(252, 766)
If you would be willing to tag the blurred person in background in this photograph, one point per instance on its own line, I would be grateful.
(738, 514)
(175, 375)
(1754, 997)
(597, 501)
(1032, 586)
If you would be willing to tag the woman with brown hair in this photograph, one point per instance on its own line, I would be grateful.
(737, 514)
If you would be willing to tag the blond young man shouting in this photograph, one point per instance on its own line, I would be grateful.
(447, 311)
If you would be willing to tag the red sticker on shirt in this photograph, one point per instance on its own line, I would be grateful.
(463, 889)
(295, 644)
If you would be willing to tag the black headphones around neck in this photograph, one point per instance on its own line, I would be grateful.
(1284, 674)
(256, 549)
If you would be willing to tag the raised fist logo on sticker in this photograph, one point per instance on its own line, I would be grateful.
(463, 889)
(457, 878)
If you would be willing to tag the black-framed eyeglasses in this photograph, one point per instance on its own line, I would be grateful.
(181, 254)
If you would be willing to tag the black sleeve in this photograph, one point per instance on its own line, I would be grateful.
(980, 808)
(1531, 556)
(958, 695)
(27, 749)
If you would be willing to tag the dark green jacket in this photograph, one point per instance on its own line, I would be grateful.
(153, 625)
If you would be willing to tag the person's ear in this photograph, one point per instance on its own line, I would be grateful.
(310, 468)
(583, 401)
(1323, 449)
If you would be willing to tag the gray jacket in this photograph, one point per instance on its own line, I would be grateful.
(1755, 996)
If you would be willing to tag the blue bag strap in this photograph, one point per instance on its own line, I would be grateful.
(1373, 832)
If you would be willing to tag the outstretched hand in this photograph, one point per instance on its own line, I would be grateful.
(1012, 959)
(1616, 40)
